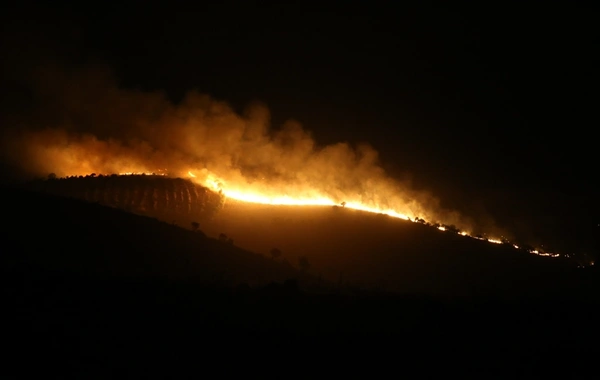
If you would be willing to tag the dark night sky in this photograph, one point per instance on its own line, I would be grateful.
(488, 107)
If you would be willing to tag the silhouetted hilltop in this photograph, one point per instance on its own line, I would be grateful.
(137, 193)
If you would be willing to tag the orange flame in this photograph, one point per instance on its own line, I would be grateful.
(211, 181)
(244, 195)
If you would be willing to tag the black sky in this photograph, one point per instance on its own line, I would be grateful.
(491, 108)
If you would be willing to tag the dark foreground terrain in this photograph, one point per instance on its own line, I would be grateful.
(343, 246)
(92, 291)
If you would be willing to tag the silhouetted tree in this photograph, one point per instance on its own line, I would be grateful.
(275, 253)
(195, 226)
(230, 241)
(451, 228)
(343, 204)
(303, 263)
(222, 237)
(52, 176)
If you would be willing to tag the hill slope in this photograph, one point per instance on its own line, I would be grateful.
(376, 250)
(64, 234)
(344, 246)
(90, 289)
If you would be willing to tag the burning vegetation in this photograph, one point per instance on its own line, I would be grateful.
(91, 125)
(157, 193)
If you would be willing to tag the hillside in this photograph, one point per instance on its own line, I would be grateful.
(380, 251)
(137, 193)
(91, 289)
(344, 246)
(57, 233)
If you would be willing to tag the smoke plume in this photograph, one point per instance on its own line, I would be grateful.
(79, 121)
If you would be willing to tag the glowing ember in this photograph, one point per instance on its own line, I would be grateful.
(442, 228)
(141, 173)
(547, 254)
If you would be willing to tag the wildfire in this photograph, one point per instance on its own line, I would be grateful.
(202, 133)
(276, 200)
(160, 172)
(391, 213)
(255, 197)
(135, 173)
(216, 184)
(311, 198)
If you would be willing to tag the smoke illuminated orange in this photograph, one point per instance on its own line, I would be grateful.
(204, 139)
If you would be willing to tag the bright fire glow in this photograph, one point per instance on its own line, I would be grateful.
(141, 173)
(261, 196)
(371, 209)
(215, 184)
(254, 197)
